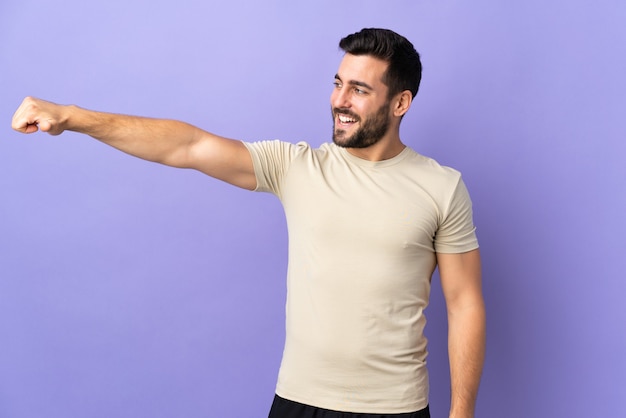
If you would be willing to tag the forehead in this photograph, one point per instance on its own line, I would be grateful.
(363, 68)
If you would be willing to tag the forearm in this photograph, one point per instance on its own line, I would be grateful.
(466, 346)
(159, 140)
(164, 141)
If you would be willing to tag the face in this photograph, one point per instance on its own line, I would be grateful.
(359, 102)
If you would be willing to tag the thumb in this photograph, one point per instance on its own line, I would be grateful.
(45, 125)
(50, 126)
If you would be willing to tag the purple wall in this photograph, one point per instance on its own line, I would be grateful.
(129, 289)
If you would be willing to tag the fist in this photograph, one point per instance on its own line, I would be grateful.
(35, 114)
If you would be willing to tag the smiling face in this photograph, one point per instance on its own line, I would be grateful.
(360, 104)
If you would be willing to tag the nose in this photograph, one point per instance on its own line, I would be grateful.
(339, 98)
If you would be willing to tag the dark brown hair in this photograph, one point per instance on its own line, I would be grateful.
(405, 68)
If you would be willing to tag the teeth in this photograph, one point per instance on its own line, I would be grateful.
(345, 119)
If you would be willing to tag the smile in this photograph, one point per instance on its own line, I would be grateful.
(346, 119)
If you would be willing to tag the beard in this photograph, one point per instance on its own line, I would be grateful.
(370, 132)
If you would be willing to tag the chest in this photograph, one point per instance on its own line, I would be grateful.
(381, 209)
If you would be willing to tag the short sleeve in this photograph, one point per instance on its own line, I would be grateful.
(271, 161)
(456, 232)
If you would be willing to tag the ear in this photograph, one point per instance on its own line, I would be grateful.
(402, 103)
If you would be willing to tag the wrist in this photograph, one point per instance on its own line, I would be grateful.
(69, 117)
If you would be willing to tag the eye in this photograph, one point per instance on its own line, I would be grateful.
(359, 91)
(337, 84)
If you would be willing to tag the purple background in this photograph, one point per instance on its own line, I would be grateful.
(129, 289)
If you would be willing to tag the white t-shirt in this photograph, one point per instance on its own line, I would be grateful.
(362, 242)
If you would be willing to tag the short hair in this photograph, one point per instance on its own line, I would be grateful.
(404, 71)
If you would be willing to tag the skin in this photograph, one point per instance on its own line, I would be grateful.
(460, 276)
(360, 94)
(360, 91)
(168, 142)
(371, 131)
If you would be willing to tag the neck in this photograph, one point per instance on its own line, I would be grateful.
(384, 149)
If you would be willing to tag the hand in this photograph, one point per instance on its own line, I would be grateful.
(35, 114)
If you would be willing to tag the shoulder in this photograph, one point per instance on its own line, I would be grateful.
(299, 151)
(430, 173)
(276, 145)
(276, 150)
(430, 165)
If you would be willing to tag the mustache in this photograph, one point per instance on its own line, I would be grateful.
(347, 112)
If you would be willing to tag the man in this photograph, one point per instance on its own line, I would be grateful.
(369, 219)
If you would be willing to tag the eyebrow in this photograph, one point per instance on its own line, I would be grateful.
(355, 83)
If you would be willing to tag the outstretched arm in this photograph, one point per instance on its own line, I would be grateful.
(461, 283)
(169, 142)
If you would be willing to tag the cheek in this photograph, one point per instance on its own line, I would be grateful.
(333, 99)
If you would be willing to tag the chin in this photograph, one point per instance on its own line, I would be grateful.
(342, 141)
(340, 144)
(340, 138)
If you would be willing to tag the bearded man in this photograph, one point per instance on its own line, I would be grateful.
(369, 220)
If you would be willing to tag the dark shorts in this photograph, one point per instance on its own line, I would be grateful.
(283, 408)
